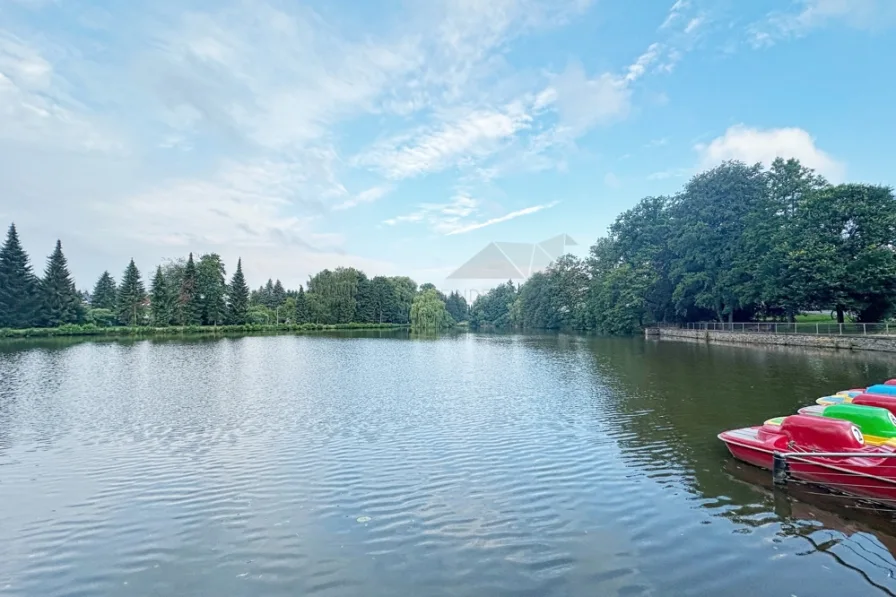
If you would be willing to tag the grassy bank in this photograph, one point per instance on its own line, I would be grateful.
(118, 332)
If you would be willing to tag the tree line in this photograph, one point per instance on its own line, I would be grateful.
(737, 243)
(196, 292)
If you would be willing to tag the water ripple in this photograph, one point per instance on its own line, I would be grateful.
(473, 465)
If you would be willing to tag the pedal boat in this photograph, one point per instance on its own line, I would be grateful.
(864, 471)
(866, 398)
(878, 425)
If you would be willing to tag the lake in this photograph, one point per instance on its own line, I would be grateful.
(376, 464)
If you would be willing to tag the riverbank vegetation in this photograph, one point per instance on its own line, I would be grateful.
(190, 295)
(737, 243)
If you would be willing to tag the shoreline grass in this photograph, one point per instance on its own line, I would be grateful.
(75, 330)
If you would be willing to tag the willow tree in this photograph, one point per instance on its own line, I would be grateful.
(428, 312)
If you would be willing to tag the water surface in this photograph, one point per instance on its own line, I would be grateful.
(374, 464)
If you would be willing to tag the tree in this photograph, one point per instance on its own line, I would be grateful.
(492, 309)
(332, 295)
(19, 287)
(428, 312)
(709, 270)
(161, 301)
(189, 301)
(301, 312)
(105, 293)
(238, 304)
(457, 307)
(278, 295)
(212, 288)
(131, 297)
(61, 302)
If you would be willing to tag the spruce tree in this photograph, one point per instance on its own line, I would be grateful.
(238, 309)
(212, 285)
(278, 294)
(19, 287)
(267, 294)
(160, 300)
(61, 300)
(189, 301)
(301, 314)
(104, 293)
(131, 297)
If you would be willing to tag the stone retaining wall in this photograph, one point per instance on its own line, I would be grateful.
(878, 343)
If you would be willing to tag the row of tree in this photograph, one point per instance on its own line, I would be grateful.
(737, 243)
(188, 292)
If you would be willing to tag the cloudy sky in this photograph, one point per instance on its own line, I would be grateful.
(401, 136)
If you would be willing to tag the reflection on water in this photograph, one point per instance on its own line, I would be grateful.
(373, 463)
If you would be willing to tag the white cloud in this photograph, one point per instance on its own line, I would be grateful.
(692, 25)
(662, 141)
(242, 205)
(583, 103)
(860, 14)
(35, 111)
(510, 216)
(367, 196)
(753, 145)
(639, 67)
(471, 137)
(675, 13)
(612, 181)
(670, 173)
(456, 217)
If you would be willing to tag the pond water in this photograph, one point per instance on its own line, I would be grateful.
(377, 464)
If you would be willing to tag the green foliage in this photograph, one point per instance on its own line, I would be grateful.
(61, 301)
(457, 307)
(161, 300)
(737, 242)
(105, 293)
(238, 304)
(428, 312)
(100, 317)
(19, 288)
(278, 294)
(333, 295)
(212, 289)
(131, 306)
(493, 309)
(90, 329)
(189, 301)
(301, 311)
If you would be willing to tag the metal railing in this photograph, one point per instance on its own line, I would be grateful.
(820, 329)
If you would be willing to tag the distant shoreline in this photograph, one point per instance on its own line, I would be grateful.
(70, 331)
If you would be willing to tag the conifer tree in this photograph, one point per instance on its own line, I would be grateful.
(278, 295)
(212, 287)
(301, 315)
(61, 301)
(19, 287)
(160, 300)
(238, 307)
(104, 293)
(131, 297)
(189, 301)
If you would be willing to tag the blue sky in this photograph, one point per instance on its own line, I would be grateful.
(401, 136)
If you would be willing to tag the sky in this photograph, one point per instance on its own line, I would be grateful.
(402, 136)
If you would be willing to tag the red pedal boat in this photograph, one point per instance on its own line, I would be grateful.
(857, 469)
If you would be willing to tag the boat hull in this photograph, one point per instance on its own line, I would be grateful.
(865, 475)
